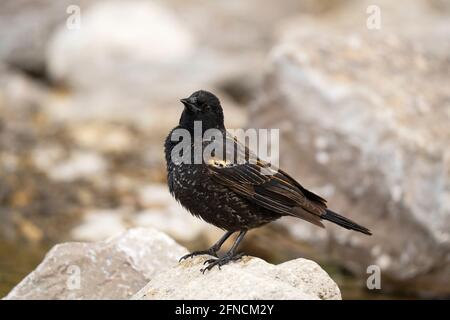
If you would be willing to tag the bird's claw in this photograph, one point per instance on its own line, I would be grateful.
(211, 260)
(198, 253)
(219, 262)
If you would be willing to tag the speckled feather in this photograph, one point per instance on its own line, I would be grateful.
(196, 187)
(236, 195)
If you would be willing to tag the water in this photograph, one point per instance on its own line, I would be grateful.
(16, 261)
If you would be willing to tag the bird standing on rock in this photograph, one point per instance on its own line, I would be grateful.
(234, 195)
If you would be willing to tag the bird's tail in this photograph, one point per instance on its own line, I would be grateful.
(344, 222)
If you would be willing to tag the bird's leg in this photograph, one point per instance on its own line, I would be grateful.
(229, 256)
(211, 251)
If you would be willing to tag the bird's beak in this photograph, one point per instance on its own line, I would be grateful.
(189, 105)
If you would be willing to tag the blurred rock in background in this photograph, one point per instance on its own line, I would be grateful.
(363, 116)
(25, 30)
(364, 120)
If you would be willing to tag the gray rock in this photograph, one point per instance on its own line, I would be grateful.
(26, 27)
(249, 278)
(113, 269)
(364, 122)
(146, 43)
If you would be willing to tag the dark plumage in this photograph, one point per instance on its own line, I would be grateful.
(236, 196)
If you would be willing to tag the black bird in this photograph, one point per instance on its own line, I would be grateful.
(235, 195)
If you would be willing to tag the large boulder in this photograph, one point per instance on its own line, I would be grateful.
(148, 41)
(112, 269)
(26, 27)
(363, 117)
(250, 278)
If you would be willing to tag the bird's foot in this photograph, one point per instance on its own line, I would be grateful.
(210, 252)
(211, 263)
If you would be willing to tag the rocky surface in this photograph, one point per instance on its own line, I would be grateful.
(121, 268)
(249, 278)
(113, 269)
(368, 112)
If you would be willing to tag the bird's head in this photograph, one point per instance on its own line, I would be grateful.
(202, 106)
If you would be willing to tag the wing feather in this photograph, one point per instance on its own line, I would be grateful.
(278, 192)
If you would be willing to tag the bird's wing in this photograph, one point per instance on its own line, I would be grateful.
(277, 191)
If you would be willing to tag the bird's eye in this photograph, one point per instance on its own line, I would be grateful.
(206, 107)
